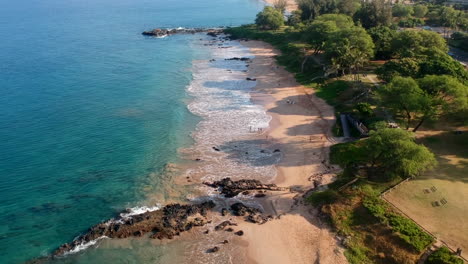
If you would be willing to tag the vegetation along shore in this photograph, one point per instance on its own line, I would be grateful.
(400, 99)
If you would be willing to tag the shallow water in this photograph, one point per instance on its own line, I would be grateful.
(93, 113)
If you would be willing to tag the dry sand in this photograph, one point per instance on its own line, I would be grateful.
(302, 130)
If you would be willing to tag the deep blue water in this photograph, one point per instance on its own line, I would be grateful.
(89, 107)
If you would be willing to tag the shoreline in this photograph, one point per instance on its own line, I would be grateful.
(302, 129)
(299, 127)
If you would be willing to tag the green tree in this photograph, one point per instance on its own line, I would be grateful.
(401, 10)
(323, 27)
(387, 154)
(393, 153)
(420, 10)
(412, 43)
(446, 95)
(430, 62)
(404, 96)
(280, 5)
(295, 18)
(405, 67)
(375, 13)
(310, 8)
(349, 49)
(382, 37)
(269, 18)
(349, 7)
(440, 63)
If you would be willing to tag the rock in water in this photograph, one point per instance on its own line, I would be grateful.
(161, 32)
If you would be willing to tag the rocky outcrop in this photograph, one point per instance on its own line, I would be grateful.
(224, 224)
(230, 188)
(239, 59)
(162, 32)
(165, 223)
(251, 214)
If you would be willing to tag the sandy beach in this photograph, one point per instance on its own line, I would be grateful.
(301, 125)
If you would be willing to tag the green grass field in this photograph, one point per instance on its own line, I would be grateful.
(446, 185)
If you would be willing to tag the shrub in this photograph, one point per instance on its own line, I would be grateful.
(323, 197)
(443, 256)
(376, 206)
(364, 109)
(409, 232)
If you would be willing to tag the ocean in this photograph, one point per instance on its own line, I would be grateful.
(92, 115)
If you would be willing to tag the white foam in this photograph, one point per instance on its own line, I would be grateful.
(84, 246)
(139, 210)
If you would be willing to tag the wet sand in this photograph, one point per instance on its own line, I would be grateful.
(301, 126)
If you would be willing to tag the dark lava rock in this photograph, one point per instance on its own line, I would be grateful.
(230, 188)
(239, 59)
(213, 250)
(216, 149)
(162, 32)
(168, 222)
(225, 242)
(239, 233)
(259, 195)
(229, 229)
(251, 79)
(251, 214)
(224, 224)
(213, 33)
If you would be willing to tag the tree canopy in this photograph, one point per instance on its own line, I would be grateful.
(402, 10)
(382, 37)
(412, 43)
(420, 10)
(430, 62)
(269, 18)
(375, 13)
(349, 48)
(322, 28)
(387, 154)
(424, 99)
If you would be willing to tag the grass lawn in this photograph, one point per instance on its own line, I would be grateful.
(415, 198)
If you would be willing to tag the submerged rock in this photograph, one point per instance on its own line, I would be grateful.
(230, 188)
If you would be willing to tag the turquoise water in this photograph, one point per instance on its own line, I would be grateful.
(89, 108)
